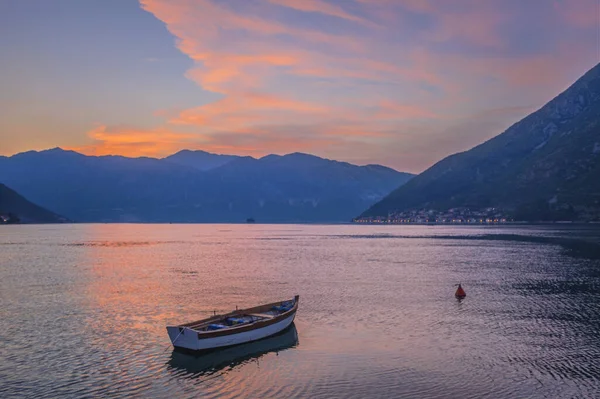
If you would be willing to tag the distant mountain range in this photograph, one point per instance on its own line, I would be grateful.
(15, 208)
(195, 186)
(544, 167)
(200, 160)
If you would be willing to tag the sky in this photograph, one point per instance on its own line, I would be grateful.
(402, 83)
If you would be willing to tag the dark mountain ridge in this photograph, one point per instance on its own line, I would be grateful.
(199, 159)
(288, 188)
(544, 167)
(21, 210)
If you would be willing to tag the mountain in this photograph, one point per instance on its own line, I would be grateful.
(11, 203)
(289, 188)
(200, 160)
(107, 188)
(297, 187)
(544, 167)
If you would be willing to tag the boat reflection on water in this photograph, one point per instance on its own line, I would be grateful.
(217, 360)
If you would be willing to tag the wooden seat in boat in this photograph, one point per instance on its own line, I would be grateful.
(263, 315)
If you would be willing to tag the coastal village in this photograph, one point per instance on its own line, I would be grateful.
(450, 216)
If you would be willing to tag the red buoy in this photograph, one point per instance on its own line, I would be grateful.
(460, 293)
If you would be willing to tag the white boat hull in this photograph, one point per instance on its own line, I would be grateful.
(182, 337)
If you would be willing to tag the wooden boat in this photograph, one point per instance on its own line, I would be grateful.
(207, 363)
(237, 327)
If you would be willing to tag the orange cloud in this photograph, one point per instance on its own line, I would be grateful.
(236, 112)
(161, 142)
(222, 72)
(136, 142)
(256, 47)
(203, 26)
(370, 85)
(209, 19)
(198, 27)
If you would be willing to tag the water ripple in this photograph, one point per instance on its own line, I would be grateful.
(84, 311)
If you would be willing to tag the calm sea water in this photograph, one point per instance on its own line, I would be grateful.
(84, 309)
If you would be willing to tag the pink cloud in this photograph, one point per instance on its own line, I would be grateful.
(319, 6)
(391, 109)
(579, 13)
(238, 111)
(477, 25)
(372, 87)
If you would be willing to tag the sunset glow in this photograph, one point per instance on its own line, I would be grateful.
(396, 82)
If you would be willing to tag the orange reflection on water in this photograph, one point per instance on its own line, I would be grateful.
(148, 276)
(129, 281)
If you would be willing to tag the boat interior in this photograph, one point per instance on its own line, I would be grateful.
(241, 317)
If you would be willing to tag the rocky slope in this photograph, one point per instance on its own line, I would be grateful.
(544, 167)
